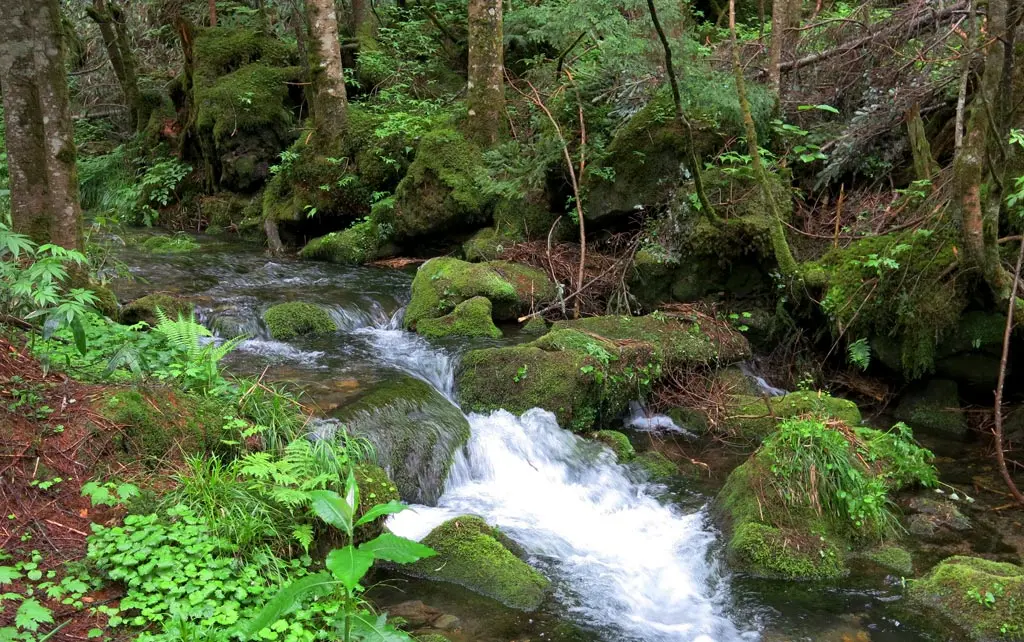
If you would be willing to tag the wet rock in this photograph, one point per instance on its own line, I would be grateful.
(471, 318)
(363, 242)
(892, 558)
(447, 622)
(588, 369)
(144, 309)
(415, 613)
(536, 326)
(978, 597)
(286, 321)
(935, 520)
(618, 443)
(442, 283)
(656, 466)
(472, 554)
(933, 407)
(415, 432)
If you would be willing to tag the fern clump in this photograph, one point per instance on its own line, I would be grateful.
(287, 321)
(196, 353)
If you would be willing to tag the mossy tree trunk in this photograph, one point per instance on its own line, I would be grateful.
(40, 136)
(486, 98)
(110, 19)
(330, 103)
(364, 24)
(921, 150)
(780, 245)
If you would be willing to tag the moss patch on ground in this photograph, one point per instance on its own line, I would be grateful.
(471, 318)
(959, 589)
(470, 553)
(442, 283)
(754, 418)
(287, 321)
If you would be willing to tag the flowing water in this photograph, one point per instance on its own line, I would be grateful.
(629, 561)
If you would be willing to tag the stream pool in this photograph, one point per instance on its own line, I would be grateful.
(629, 561)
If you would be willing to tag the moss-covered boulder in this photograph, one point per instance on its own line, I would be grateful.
(441, 191)
(487, 245)
(442, 283)
(175, 244)
(933, 407)
(978, 597)
(618, 443)
(754, 418)
(144, 308)
(815, 493)
(361, 243)
(375, 487)
(415, 432)
(536, 326)
(656, 466)
(471, 318)
(587, 369)
(287, 321)
(892, 558)
(470, 553)
(246, 86)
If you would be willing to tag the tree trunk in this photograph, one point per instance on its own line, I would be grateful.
(779, 25)
(486, 98)
(364, 24)
(213, 13)
(777, 232)
(111, 21)
(330, 103)
(40, 135)
(924, 163)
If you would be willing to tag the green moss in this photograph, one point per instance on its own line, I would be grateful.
(361, 243)
(956, 589)
(656, 465)
(106, 300)
(289, 320)
(754, 418)
(933, 407)
(144, 309)
(442, 283)
(536, 326)
(245, 100)
(441, 190)
(894, 558)
(618, 442)
(470, 553)
(529, 216)
(375, 487)
(224, 211)
(219, 51)
(488, 244)
(177, 244)
(157, 423)
(471, 318)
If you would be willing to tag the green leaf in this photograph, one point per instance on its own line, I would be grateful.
(284, 601)
(396, 549)
(31, 614)
(380, 510)
(349, 565)
(79, 334)
(330, 507)
(367, 627)
(8, 574)
(94, 633)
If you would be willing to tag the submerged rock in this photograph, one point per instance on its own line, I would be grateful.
(978, 597)
(415, 432)
(287, 321)
(589, 368)
(442, 283)
(471, 318)
(935, 408)
(474, 555)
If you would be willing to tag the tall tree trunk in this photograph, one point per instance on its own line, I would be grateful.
(213, 13)
(486, 99)
(364, 24)
(921, 151)
(40, 136)
(330, 103)
(777, 232)
(113, 29)
(779, 24)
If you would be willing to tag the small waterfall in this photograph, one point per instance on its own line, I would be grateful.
(623, 561)
(762, 385)
(412, 354)
(644, 421)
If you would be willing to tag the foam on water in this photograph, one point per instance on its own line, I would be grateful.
(623, 561)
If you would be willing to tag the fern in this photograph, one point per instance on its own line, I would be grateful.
(859, 354)
(198, 355)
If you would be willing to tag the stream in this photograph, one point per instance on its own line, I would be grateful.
(629, 561)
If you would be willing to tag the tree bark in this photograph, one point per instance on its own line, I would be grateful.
(486, 97)
(779, 26)
(213, 13)
(40, 133)
(330, 103)
(920, 149)
(111, 21)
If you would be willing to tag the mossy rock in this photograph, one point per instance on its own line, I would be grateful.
(470, 553)
(471, 318)
(361, 243)
(956, 590)
(590, 368)
(144, 309)
(655, 465)
(157, 423)
(488, 244)
(892, 558)
(106, 301)
(287, 321)
(442, 283)
(176, 244)
(375, 487)
(224, 211)
(933, 407)
(754, 418)
(441, 190)
(536, 326)
(762, 549)
(415, 432)
(618, 443)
